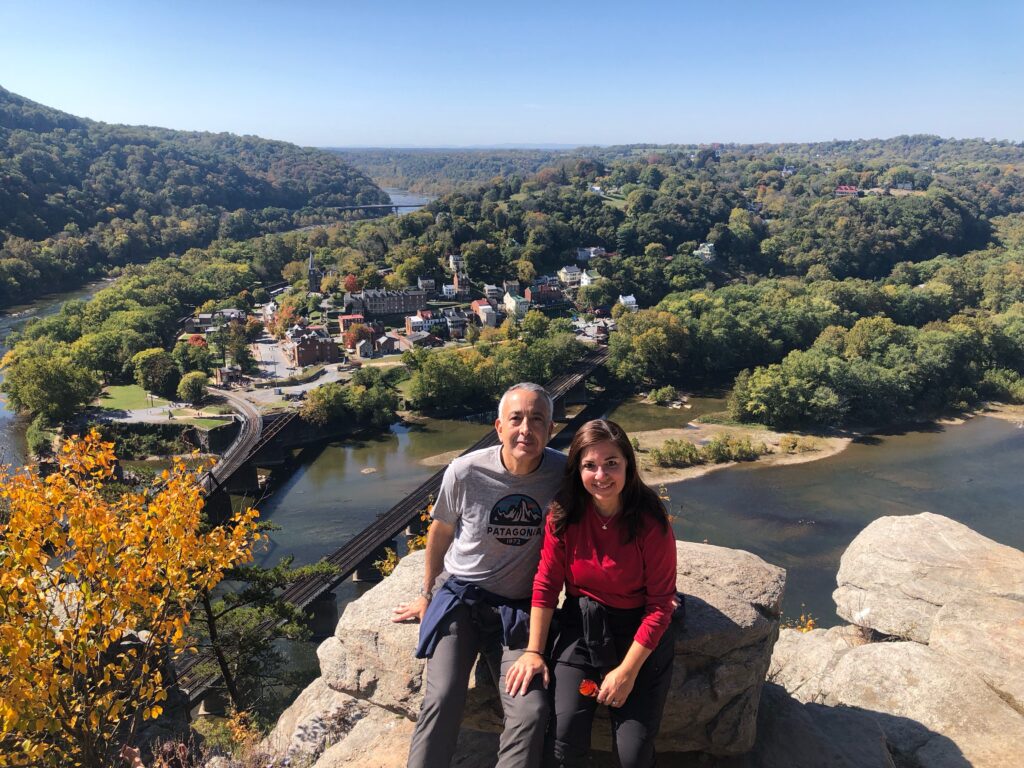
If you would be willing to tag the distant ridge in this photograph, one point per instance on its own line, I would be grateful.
(79, 197)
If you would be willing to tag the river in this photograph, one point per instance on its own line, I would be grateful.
(405, 197)
(801, 517)
(12, 428)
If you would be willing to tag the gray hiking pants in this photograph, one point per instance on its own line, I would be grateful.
(467, 633)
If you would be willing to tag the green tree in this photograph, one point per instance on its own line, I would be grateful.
(156, 371)
(43, 380)
(649, 346)
(243, 630)
(192, 387)
(326, 405)
(534, 326)
(192, 355)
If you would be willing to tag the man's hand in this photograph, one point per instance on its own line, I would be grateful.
(519, 675)
(410, 611)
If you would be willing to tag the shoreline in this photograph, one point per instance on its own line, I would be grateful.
(698, 433)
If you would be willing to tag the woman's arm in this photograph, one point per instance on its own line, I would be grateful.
(658, 546)
(531, 663)
(659, 553)
(618, 684)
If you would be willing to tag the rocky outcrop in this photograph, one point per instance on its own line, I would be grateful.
(954, 698)
(318, 718)
(899, 572)
(732, 620)
(930, 674)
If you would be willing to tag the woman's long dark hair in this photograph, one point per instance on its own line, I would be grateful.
(638, 499)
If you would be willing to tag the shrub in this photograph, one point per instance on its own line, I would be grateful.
(664, 396)
(676, 453)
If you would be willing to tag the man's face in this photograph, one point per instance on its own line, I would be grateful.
(524, 426)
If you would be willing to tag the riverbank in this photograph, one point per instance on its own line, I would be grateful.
(815, 448)
(1004, 411)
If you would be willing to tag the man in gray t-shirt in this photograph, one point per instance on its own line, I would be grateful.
(486, 536)
(498, 518)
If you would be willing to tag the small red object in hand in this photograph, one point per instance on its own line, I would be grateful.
(589, 688)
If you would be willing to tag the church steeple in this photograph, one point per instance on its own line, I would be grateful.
(313, 275)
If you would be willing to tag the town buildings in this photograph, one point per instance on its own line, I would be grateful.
(310, 345)
(377, 301)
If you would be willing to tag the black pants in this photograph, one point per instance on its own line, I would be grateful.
(634, 725)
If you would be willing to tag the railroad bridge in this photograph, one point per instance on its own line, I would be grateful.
(268, 443)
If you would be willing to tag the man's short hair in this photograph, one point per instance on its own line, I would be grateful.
(528, 386)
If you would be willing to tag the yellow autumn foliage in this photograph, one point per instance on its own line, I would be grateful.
(80, 570)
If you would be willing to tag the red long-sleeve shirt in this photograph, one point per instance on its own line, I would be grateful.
(590, 560)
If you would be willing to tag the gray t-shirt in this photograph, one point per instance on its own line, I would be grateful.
(498, 519)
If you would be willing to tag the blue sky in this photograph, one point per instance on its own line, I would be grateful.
(483, 73)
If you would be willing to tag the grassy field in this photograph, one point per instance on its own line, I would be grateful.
(129, 397)
(615, 202)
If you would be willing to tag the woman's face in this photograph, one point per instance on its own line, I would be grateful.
(603, 472)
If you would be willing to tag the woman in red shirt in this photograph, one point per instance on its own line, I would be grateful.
(609, 543)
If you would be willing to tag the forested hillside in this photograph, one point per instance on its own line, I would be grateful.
(78, 197)
(839, 291)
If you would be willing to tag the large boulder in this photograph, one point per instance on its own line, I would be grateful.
(931, 709)
(732, 620)
(899, 572)
(986, 635)
(791, 734)
(935, 712)
(804, 662)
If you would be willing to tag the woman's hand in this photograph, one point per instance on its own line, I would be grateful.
(523, 670)
(616, 687)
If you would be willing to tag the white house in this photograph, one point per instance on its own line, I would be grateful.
(493, 292)
(706, 252)
(588, 278)
(449, 290)
(569, 276)
(269, 312)
(586, 254)
(455, 262)
(515, 305)
(629, 302)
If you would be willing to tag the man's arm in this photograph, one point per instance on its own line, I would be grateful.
(440, 536)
